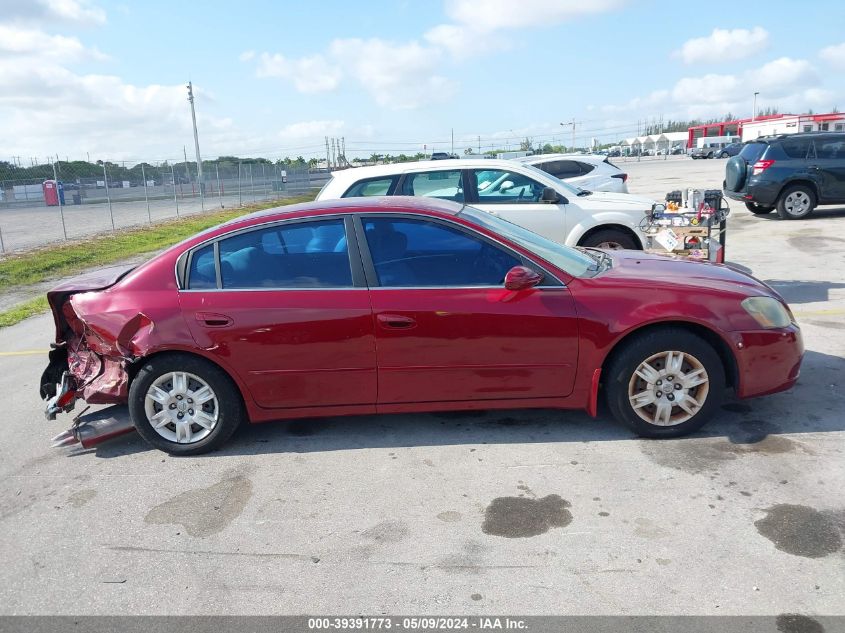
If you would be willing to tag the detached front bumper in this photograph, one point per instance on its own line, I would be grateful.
(768, 361)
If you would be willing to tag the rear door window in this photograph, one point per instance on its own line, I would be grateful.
(292, 255)
(800, 148)
(445, 185)
(371, 187)
(562, 168)
(830, 149)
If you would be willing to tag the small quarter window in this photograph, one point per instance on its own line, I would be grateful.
(203, 272)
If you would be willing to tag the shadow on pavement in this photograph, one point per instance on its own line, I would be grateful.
(814, 405)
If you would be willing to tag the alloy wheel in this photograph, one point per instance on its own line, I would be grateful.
(668, 388)
(181, 407)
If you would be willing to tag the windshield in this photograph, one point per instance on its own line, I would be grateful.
(574, 262)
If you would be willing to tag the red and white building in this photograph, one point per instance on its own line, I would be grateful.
(794, 123)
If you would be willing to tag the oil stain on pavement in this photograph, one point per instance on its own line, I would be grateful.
(801, 530)
(797, 623)
(205, 511)
(520, 517)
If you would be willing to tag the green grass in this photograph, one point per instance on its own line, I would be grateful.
(23, 311)
(68, 259)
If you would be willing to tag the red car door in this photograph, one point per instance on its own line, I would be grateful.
(448, 330)
(282, 305)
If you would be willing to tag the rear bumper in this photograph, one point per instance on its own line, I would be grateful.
(768, 361)
(762, 193)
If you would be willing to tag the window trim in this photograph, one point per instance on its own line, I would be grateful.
(352, 250)
(370, 269)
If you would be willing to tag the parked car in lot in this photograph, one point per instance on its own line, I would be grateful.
(590, 172)
(389, 305)
(790, 172)
(516, 191)
(730, 150)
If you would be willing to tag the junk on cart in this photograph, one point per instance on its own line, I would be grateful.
(692, 223)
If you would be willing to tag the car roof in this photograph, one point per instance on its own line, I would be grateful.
(542, 158)
(354, 174)
(350, 205)
(781, 137)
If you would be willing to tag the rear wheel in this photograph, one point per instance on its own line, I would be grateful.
(758, 209)
(665, 383)
(796, 202)
(184, 405)
(724, 155)
(612, 239)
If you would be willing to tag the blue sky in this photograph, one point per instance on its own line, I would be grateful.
(275, 78)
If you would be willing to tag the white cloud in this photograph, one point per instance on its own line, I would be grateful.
(309, 74)
(724, 45)
(47, 11)
(311, 129)
(397, 75)
(834, 55)
(31, 44)
(473, 25)
(246, 56)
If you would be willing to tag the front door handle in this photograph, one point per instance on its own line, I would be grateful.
(396, 322)
(213, 319)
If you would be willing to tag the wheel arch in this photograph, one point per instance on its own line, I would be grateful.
(610, 227)
(718, 343)
(804, 182)
(133, 368)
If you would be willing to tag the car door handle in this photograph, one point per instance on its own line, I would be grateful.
(814, 167)
(396, 322)
(213, 319)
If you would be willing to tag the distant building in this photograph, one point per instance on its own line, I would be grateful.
(726, 128)
(794, 123)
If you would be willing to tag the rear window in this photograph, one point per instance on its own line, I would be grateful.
(753, 151)
(371, 187)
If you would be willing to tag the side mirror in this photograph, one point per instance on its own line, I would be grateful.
(550, 196)
(522, 278)
(508, 184)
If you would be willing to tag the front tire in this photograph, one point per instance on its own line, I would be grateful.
(612, 239)
(758, 209)
(796, 203)
(665, 383)
(184, 405)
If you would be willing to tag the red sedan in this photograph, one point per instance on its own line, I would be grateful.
(390, 305)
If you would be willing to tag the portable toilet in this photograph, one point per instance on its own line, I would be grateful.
(54, 193)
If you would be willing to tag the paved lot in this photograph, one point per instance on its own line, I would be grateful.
(519, 511)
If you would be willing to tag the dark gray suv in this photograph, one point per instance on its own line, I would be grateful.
(791, 173)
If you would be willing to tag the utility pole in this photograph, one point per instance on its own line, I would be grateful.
(754, 107)
(196, 144)
(328, 155)
(453, 143)
(479, 143)
(573, 123)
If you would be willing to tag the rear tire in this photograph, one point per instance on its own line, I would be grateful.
(612, 239)
(675, 379)
(796, 202)
(166, 385)
(758, 209)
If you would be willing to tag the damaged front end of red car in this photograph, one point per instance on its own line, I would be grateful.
(96, 344)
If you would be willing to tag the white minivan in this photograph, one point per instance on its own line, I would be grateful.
(517, 192)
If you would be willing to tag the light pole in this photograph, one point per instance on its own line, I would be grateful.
(196, 144)
(754, 111)
(572, 123)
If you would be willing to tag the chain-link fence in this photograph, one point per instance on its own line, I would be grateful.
(72, 199)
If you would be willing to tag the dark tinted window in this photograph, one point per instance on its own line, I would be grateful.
(446, 185)
(753, 151)
(831, 148)
(797, 147)
(418, 253)
(562, 168)
(203, 273)
(300, 255)
(371, 187)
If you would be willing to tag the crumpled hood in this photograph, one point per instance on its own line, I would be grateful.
(651, 269)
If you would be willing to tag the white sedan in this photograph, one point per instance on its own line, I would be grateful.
(587, 171)
(512, 190)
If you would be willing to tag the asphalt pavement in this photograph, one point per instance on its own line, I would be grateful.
(530, 512)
